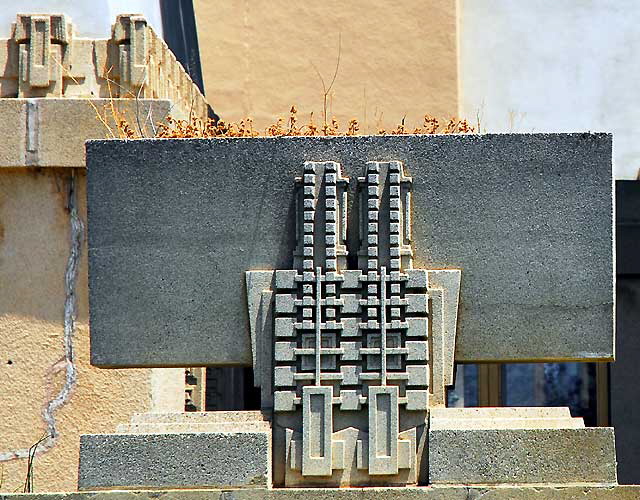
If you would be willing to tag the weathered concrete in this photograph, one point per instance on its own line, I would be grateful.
(173, 226)
(539, 492)
(175, 460)
(515, 456)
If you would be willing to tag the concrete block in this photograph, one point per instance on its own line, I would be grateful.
(78, 120)
(316, 454)
(49, 132)
(527, 217)
(175, 460)
(14, 134)
(515, 456)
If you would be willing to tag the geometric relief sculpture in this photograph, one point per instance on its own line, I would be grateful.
(350, 360)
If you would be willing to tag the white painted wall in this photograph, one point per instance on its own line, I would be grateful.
(92, 18)
(554, 65)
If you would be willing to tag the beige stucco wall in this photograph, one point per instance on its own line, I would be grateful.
(396, 59)
(34, 248)
(42, 145)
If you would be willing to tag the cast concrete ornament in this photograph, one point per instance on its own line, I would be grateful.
(350, 360)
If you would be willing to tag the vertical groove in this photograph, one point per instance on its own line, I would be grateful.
(31, 132)
(343, 215)
(330, 189)
(309, 215)
(318, 320)
(383, 326)
(373, 208)
(407, 217)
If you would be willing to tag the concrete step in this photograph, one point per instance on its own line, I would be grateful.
(507, 423)
(504, 418)
(502, 412)
(200, 417)
(192, 427)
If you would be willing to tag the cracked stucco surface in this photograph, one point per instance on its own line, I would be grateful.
(34, 250)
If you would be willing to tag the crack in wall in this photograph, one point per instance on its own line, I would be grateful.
(70, 314)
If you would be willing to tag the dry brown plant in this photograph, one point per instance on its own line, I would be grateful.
(175, 128)
(197, 128)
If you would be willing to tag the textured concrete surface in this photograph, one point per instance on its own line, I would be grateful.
(365, 448)
(539, 492)
(34, 248)
(129, 461)
(173, 226)
(522, 456)
(244, 76)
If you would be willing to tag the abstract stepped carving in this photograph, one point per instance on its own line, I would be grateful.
(45, 57)
(351, 359)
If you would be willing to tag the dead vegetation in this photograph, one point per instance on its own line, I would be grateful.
(120, 125)
(197, 128)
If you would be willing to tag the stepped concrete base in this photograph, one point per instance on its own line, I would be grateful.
(190, 450)
(541, 492)
(504, 418)
(518, 446)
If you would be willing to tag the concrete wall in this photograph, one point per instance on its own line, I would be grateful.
(397, 59)
(555, 67)
(92, 18)
(34, 248)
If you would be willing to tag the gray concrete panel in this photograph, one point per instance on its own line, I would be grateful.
(204, 459)
(174, 224)
(514, 456)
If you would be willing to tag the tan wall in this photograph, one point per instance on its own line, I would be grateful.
(34, 248)
(397, 58)
(35, 244)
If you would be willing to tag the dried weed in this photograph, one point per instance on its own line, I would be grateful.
(197, 128)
